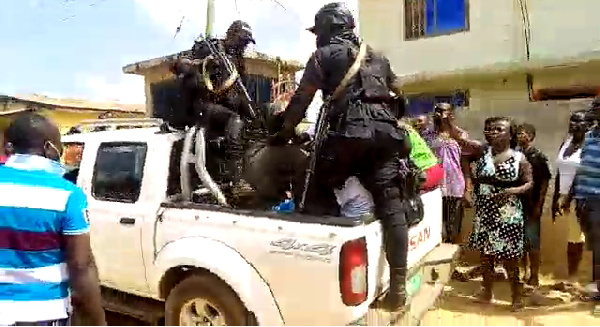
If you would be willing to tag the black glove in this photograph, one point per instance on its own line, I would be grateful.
(282, 136)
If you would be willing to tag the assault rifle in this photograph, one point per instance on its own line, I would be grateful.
(321, 129)
(219, 55)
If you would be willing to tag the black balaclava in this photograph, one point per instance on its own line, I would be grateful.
(239, 35)
(334, 20)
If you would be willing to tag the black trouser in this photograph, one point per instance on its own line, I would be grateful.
(220, 120)
(215, 117)
(376, 163)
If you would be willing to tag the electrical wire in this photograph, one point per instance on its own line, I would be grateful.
(527, 35)
(75, 15)
(179, 27)
(64, 3)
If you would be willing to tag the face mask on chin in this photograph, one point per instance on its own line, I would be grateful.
(56, 167)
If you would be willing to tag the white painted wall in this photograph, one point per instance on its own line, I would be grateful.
(558, 29)
(564, 28)
(491, 38)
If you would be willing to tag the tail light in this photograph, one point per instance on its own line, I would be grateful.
(353, 272)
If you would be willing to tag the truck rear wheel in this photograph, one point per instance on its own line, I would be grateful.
(204, 300)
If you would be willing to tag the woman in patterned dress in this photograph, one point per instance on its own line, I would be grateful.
(502, 174)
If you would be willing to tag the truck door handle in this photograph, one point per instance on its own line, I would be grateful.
(127, 221)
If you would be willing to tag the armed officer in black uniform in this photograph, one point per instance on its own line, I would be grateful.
(208, 95)
(363, 138)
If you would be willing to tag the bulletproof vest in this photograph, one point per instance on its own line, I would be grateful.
(366, 98)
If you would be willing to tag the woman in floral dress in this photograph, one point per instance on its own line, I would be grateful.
(502, 174)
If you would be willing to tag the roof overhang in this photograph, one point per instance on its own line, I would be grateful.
(142, 67)
(532, 66)
(14, 112)
(72, 104)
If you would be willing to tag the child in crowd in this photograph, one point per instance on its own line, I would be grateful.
(533, 201)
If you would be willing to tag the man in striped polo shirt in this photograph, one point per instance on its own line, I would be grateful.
(587, 193)
(44, 234)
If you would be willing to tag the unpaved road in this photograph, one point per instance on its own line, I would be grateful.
(458, 308)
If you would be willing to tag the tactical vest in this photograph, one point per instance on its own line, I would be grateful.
(367, 95)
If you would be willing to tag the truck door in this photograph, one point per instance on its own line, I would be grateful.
(117, 214)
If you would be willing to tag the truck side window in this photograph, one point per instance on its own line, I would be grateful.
(118, 171)
(174, 182)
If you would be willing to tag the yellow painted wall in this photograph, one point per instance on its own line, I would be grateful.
(65, 119)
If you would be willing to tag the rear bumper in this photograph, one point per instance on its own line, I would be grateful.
(436, 270)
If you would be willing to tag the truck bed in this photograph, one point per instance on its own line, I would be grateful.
(291, 217)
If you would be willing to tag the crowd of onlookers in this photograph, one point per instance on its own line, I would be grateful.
(506, 178)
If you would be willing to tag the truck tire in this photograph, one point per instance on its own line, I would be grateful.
(204, 300)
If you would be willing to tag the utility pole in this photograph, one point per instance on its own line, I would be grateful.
(210, 18)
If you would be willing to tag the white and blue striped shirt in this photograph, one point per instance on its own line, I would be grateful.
(587, 179)
(37, 207)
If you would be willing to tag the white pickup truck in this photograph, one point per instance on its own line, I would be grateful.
(180, 262)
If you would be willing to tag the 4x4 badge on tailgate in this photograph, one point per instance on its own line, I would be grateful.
(291, 244)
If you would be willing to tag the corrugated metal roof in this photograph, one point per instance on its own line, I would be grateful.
(78, 104)
(139, 67)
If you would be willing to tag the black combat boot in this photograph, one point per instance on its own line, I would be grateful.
(395, 299)
(239, 186)
(236, 154)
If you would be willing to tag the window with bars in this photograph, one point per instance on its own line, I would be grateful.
(424, 18)
(419, 104)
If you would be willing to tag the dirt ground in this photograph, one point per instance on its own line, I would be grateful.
(457, 307)
(552, 308)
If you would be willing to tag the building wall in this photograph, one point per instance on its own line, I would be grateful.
(494, 31)
(558, 29)
(563, 28)
(65, 119)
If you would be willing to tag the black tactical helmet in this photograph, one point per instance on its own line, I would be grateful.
(333, 15)
(241, 31)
